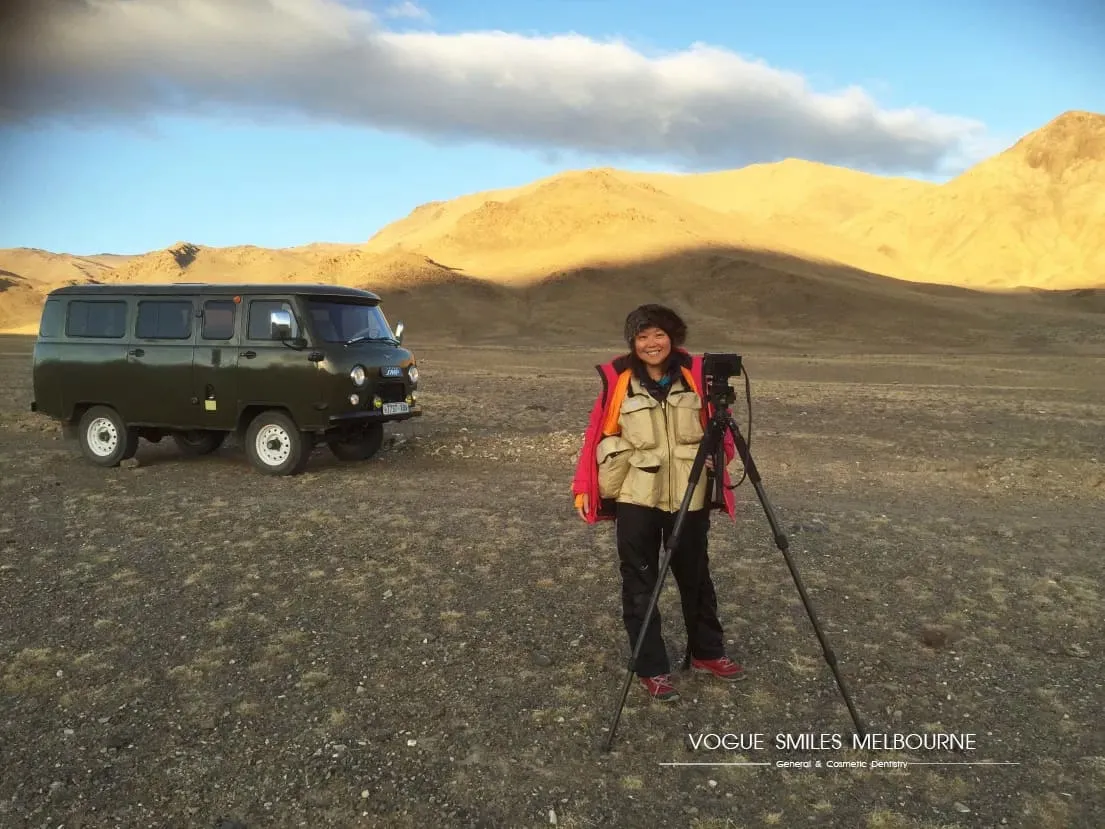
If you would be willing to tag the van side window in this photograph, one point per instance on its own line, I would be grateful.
(164, 319)
(96, 318)
(218, 319)
(52, 321)
(259, 310)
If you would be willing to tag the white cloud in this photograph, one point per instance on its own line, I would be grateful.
(322, 59)
(408, 10)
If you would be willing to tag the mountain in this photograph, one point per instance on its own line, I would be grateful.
(1031, 217)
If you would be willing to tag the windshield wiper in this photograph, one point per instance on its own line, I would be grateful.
(365, 338)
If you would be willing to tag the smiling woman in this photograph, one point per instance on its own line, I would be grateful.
(635, 469)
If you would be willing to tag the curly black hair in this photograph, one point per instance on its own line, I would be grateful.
(659, 316)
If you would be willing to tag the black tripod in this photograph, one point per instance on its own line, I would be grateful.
(717, 368)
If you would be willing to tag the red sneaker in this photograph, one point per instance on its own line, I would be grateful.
(723, 668)
(660, 688)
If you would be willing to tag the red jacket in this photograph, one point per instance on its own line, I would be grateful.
(586, 476)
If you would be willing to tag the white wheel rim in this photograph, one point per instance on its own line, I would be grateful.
(273, 445)
(103, 437)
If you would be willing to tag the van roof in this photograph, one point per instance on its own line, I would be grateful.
(222, 289)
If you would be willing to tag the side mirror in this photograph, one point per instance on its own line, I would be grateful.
(399, 332)
(280, 324)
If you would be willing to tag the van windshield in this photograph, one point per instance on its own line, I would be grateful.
(335, 321)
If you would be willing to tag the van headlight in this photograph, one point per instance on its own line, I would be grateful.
(412, 373)
(357, 375)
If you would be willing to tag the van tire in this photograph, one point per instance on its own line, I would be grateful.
(104, 438)
(283, 449)
(198, 442)
(359, 446)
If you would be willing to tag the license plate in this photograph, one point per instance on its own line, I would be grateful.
(396, 408)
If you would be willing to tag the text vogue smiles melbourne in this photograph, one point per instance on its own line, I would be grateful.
(809, 741)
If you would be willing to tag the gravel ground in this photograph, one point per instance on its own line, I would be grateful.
(433, 638)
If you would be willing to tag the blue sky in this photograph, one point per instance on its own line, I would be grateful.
(130, 132)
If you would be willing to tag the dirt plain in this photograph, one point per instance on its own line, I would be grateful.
(432, 638)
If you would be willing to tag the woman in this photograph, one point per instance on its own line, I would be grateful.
(644, 432)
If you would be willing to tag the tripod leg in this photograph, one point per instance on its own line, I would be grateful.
(693, 623)
(713, 435)
(783, 545)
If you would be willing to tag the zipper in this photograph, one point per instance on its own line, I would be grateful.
(671, 454)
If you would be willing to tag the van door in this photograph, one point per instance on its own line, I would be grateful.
(272, 372)
(159, 362)
(215, 363)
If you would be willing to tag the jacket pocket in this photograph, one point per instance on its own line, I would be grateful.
(643, 484)
(612, 455)
(637, 422)
(685, 411)
(682, 460)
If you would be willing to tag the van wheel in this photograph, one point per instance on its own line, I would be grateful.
(275, 446)
(104, 438)
(360, 445)
(198, 442)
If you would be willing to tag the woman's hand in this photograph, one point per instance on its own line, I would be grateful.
(584, 504)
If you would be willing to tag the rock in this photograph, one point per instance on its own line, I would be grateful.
(541, 660)
(130, 463)
(959, 807)
(938, 636)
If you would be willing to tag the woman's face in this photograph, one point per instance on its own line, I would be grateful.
(653, 346)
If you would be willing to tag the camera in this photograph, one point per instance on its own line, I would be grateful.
(717, 368)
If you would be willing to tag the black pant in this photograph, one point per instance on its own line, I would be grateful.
(641, 533)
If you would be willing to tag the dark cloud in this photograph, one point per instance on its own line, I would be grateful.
(325, 60)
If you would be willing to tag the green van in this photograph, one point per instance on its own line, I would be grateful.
(283, 367)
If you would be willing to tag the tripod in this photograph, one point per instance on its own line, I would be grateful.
(721, 396)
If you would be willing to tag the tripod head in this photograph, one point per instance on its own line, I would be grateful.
(717, 368)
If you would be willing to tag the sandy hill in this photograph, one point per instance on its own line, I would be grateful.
(1030, 217)
(570, 220)
(794, 187)
(46, 268)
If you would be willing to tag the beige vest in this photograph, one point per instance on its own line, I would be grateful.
(649, 463)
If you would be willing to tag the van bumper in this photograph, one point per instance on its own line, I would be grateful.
(371, 416)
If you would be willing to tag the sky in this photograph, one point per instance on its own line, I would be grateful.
(129, 125)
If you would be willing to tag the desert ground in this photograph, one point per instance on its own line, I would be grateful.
(433, 637)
